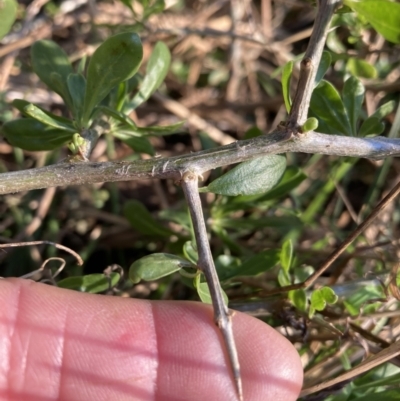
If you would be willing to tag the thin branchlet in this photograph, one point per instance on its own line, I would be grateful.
(205, 263)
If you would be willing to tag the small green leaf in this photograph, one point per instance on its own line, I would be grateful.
(46, 119)
(134, 130)
(141, 219)
(52, 66)
(321, 297)
(20, 104)
(117, 115)
(384, 110)
(371, 126)
(250, 178)
(326, 60)
(30, 134)
(156, 71)
(114, 61)
(327, 105)
(283, 278)
(383, 15)
(286, 76)
(299, 299)
(318, 300)
(311, 124)
(139, 144)
(92, 283)
(360, 68)
(204, 292)
(353, 98)
(190, 252)
(329, 295)
(260, 263)
(8, 13)
(77, 86)
(286, 256)
(156, 266)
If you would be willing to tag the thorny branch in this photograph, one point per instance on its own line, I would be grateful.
(310, 63)
(282, 141)
(206, 265)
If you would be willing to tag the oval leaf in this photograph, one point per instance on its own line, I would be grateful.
(384, 110)
(204, 292)
(190, 252)
(299, 299)
(46, 118)
(326, 60)
(321, 297)
(8, 13)
(114, 61)
(286, 255)
(250, 178)
(329, 295)
(117, 115)
(76, 87)
(30, 134)
(284, 278)
(353, 98)
(156, 71)
(286, 75)
(93, 283)
(20, 104)
(252, 266)
(155, 266)
(52, 66)
(328, 107)
(317, 300)
(360, 68)
(371, 126)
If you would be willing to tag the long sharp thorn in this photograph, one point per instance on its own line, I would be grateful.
(206, 264)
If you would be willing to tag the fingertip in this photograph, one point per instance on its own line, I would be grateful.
(271, 366)
(121, 348)
(271, 369)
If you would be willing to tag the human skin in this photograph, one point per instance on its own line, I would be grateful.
(63, 345)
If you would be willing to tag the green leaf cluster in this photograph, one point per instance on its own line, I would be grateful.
(341, 114)
(103, 91)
